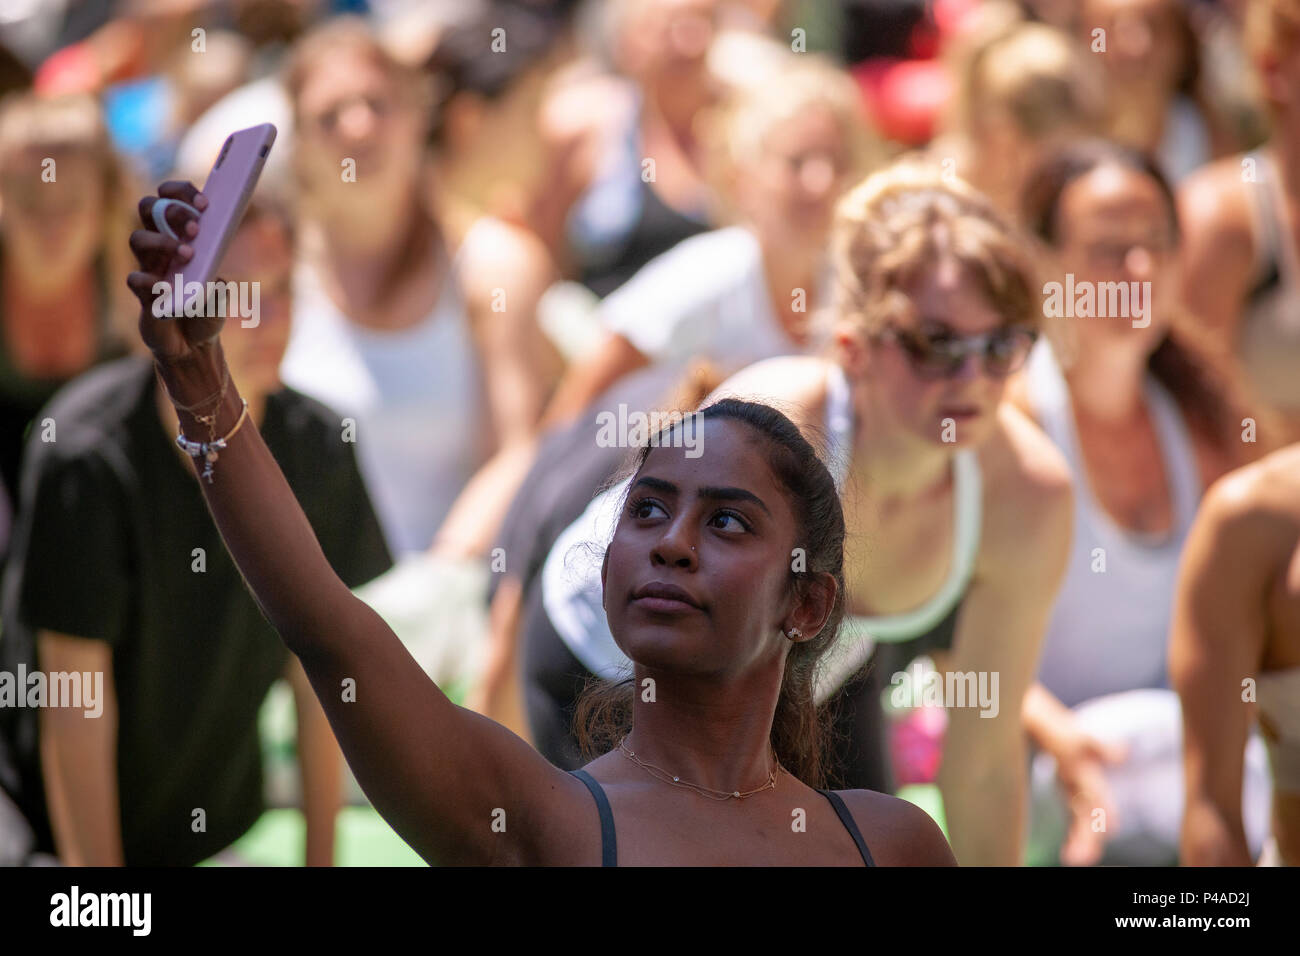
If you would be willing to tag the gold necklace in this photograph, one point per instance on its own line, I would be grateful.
(702, 791)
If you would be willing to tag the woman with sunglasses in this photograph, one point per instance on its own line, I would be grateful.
(959, 504)
(1146, 426)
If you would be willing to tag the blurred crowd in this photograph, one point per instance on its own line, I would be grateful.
(484, 222)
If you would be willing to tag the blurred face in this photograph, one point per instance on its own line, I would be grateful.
(1143, 41)
(789, 191)
(55, 226)
(260, 252)
(952, 410)
(667, 41)
(351, 109)
(719, 528)
(1115, 226)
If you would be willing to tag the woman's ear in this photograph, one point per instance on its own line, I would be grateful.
(852, 348)
(814, 601)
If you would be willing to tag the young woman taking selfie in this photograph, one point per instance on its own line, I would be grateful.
(722, 766)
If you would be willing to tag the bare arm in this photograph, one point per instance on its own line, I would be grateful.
(79, 758)
(504, 273)
(437, 772)
(500, 693)
(1216, 641)
(319, 760)
(1003, 619)
(1217, 250)
(613, 359)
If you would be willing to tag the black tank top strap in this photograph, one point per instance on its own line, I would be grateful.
(846, 818)
(608, 845)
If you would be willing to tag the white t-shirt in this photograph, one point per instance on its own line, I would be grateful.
(704, 298)
(416, 396)
(571, 590)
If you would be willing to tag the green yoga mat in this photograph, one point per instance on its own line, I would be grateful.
(362, 838)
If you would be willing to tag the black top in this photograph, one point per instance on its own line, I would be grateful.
(609, 846)
(106, 547)
(658, 227)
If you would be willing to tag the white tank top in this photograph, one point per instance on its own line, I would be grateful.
(859, 634)
(1109, 629)
(1278, 695)
(416, 395)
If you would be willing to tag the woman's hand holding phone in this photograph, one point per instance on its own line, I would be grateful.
(185, 347)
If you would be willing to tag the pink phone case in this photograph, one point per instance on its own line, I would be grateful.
(229, 188)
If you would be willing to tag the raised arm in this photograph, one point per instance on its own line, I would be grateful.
(441, 775)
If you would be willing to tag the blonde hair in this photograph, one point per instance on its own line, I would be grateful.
(736, 131)
(903, 221)
(1038, 76)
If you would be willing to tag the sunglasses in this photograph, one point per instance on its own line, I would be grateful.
(942, 354)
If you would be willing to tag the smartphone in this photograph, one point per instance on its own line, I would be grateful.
(228, 188)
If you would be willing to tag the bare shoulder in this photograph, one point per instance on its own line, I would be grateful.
(580, 101)
(1028, 495)
(497, 254)
(897, 833)
(1213, 204)
(1256, 498)
(793, 384)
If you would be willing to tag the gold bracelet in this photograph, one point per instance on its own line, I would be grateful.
(218, 395)
(208, 450)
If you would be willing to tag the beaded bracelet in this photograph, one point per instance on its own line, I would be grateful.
(207, 450)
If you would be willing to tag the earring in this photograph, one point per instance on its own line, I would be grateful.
(794, 634)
